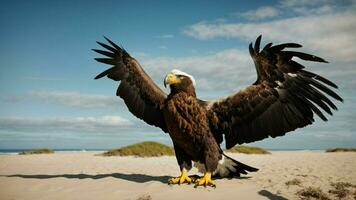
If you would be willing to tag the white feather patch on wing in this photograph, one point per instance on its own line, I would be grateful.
(292, 74)
(200, 166)
(225, 166)
(279, 83)
(178, 72)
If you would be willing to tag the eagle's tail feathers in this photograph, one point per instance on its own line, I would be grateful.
(228, 167)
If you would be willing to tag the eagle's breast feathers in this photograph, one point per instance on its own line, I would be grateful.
(186, 119)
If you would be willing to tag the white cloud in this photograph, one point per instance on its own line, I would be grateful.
(75, 99)
(166, 36)
(227, 69)
(232, 69)
(321, 31)
(12, 99)
(334, 136)
(325, 9)
(104, 124)
(162, 47)
(332, 35)
(294, 3)
(261, 13)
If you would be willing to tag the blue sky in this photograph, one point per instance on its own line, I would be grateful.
(49, 97)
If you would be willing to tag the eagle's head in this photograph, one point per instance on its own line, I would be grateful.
(180, 81)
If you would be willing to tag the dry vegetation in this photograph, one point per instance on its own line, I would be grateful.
(247, 150)
(143, 149)
(37, 151)
(312, 193)
(341, 189)
(154, 149)
(294, 181)
(145, 197)
(341, 150)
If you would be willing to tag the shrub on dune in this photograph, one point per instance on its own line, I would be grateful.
(247, 150)
(143, 149)
(341, 150)
(37, 151)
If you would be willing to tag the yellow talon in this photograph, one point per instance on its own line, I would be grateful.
(205, 181)
(184, 178)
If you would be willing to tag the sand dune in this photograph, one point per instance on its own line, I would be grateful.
(83, 175)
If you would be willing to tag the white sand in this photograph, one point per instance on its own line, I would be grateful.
(86, 176)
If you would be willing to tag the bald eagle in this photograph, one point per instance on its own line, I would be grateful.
(284, 97)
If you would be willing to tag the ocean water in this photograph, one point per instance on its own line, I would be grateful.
(16, 151)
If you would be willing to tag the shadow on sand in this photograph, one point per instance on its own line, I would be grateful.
(138, 178)
(270, 195)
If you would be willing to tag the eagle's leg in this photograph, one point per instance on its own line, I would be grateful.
(183, 178)
(212, 156)
(185, 164)
(205, 180)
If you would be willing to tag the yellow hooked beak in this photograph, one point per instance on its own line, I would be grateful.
(171, 79)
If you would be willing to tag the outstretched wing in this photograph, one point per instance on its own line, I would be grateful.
(141, 95)
(284, 98)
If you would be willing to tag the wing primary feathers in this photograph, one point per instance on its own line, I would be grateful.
(105, 53)
(311, 94)
(280, 47)
(108, 61)
(325, 89)
(257, 44)
(316, 110)
(252, 52)
(296, 66)
(106, 72)
(312, 107)
(305, 56)
(319, 95)
(113, 44)
(303, 109)
(108, 47)
(125, 53)
(118, 48)
(267, 46)
(317, 101)
(318, 77)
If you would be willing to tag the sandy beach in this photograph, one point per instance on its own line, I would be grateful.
(83, 175)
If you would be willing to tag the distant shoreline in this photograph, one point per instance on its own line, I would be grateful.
(12, 151)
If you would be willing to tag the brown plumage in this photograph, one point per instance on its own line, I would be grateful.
(283, 98)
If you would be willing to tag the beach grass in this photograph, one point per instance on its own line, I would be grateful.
(143, 149)
(294, 181)
(37, 151)
(247, 150)
(145, 197)
(341, 150)
(312, 193)
(341, 189)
